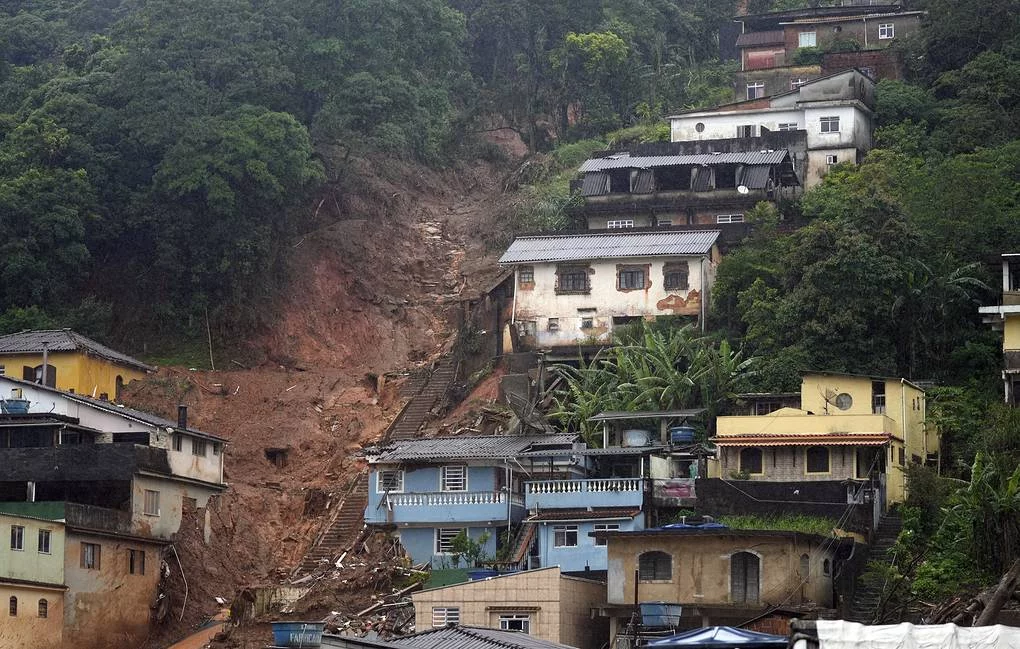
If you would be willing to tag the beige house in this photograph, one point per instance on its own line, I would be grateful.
(718, 576)
(543, 603)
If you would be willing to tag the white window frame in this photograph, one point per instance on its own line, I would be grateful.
(198, 447)
(605, 527)
(753, 89)
(747, 130)
(787, 126)
(178, 442)
(380, 481)
(96, 552)
(454, 482)
(444, 537)
(507, 622)
(445, 615)
(831, 159)
(3, 370)
(616, 224)
(150, 502)
(566, 531)
(525, 275)
(729, 218)
(797, 82)
(44, 547)
(807, 39)
(886, 31)
(828, 124)
(662, 222)
(18, 538)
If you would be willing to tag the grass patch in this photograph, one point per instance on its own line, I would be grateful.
(789, 522)
(186, 354)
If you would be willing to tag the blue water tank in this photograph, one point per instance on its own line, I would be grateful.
(660, 614)
(297, 634)
(681, 435)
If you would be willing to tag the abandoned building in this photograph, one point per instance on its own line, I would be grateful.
(1005, 317)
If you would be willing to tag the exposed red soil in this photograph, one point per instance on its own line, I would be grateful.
(376, 283)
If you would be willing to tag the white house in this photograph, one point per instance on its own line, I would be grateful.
(575, 289)
(836, 112)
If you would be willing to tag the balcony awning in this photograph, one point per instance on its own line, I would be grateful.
(583, 514)
(823, 439)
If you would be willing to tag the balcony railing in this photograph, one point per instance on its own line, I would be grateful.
(453, 498)
(598, 492)
(583, 486)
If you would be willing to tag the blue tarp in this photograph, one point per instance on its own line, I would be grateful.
(721, 637)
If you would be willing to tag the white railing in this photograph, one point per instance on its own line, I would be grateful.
(602, 485)
(451, 498)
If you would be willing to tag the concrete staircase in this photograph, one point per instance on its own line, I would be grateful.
(416, 412)
(868, 594)
(428, 389)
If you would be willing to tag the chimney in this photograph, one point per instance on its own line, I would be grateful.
(182, 416)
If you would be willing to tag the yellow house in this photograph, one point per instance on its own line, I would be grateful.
(31, 582)
(1006, 317)
(848, 428)
(68, 361)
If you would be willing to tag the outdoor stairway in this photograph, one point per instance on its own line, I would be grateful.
(341, 531)
(522, 544)
(867, 594)
(413, 416)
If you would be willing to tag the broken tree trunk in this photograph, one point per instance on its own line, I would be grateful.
(998, 597)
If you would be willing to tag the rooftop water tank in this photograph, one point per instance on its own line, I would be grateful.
(637, 437)
(14, 406)
(681, 435)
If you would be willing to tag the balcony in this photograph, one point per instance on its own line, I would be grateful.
(572, 494)
(445, 507)
(88, 517)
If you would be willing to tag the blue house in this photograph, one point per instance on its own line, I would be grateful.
(430, 490)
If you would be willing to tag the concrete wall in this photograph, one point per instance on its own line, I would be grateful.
(30, 564)
(207, 466)
(27, 630)
(108, 607)
(701, 569)
(171, 504)
(776, 80)
(863, 30)
(604, 301)
(1011, 333)
(787, 463)
(586, 554)
(559, 607)
(420, 543)
(723, 125)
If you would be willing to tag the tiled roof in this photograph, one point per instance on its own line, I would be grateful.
(473, 637)
(626, 161)
(64, 340)
(612, 450)
(583, 514)
(493, 447)
(579, 247)
(755, 39)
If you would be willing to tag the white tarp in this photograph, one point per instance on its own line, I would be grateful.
(838, 634)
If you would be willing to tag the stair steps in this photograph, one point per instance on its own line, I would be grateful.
(868, 595)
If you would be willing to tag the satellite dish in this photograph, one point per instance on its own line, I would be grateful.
(742, 189)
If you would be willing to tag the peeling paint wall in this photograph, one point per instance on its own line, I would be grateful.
(27, 630)
(171, 496)
(30, 563)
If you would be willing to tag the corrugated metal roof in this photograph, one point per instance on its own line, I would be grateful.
(626, 161)
(64, 340)
(604, 245)
(472, 637)
(753, 39)
(644, 183)
(595, 184)
(612, 450)
(464, 448)
(755, 176)
(615, 415)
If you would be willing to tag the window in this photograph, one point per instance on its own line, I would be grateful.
(552, 324)
(729, 218)
(630, 278)
(525, 275)
(750, 460)
(844, 401)
(816, 459)
(805, 566)
(454, 478)
(807, 39)
(831, 159)
(390, 480)
(655, 566)
(616, 224)
(587, 323)
(178, 442)
(444, 539)
(90, 555)
(755, 89)
(745, 575)
(151, 506)
(787, 126)
(198, 446)
(565, 536)
(886, 31)
(826, 567)
(515, 622)
(527, 328)
(44, 608)
(12, 607)
(217, 448)
(136, 562)
(662, 222)
(700, 127)
(605, 527)
(829, 124)
(903, 457)
(445, 616)
(3, 370)
(797, 82)
(572, 279)
(17, 537)
(878, 397)
(746, 130)
(44, 542)
(675, 276)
